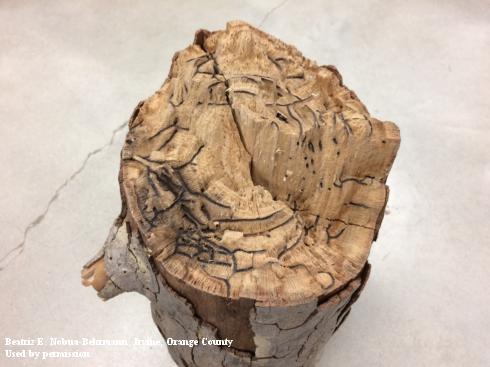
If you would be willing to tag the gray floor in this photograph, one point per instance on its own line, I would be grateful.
(70, 75)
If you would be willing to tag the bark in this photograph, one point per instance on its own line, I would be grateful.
(253, 185)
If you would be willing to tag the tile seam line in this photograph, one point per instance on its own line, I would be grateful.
(7, 259)
(272, 10)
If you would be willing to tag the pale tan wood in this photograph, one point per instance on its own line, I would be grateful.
(253, 184)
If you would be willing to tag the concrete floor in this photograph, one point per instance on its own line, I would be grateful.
(70, 75)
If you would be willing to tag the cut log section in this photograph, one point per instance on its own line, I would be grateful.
(253, 185)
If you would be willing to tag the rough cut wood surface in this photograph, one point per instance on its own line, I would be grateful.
(253, 184)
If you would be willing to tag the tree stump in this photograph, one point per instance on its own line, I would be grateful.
(252, 186)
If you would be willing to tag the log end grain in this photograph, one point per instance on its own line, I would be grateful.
(253, 185)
